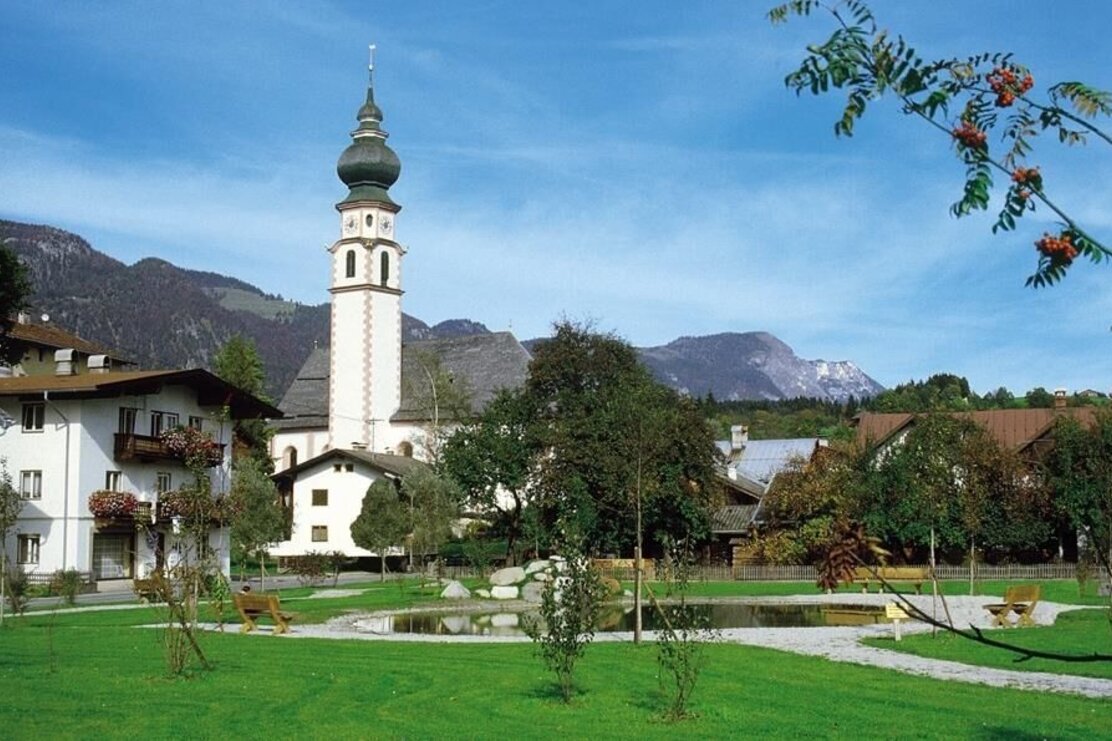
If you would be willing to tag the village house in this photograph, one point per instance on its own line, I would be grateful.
(78, 426)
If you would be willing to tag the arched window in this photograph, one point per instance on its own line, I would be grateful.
(350, 263)
(384, 268)
(405, 448)
(290, 457)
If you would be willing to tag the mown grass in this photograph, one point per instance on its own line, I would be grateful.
(110, 681)
(1077, 633)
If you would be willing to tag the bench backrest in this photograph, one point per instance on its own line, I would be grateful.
(903, 572)
(256, 601)
(1023, 593)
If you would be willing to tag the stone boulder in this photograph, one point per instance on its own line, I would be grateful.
(532, 592)
(538, 565)
(542, 576)
(504, 592)
(455, 590)
(507, 576)
(482, 593)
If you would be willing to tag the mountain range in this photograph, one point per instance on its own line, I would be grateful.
(188, 314)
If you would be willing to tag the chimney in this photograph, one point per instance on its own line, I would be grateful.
(739, 436)
(99, 364)
(63, 362)
(1059, 398)
(358, 446)
(23, 318)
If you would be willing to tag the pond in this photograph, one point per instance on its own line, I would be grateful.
(621, 619)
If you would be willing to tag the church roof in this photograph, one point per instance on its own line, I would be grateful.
(482, 363)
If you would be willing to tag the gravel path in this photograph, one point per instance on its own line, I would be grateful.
(835, 644)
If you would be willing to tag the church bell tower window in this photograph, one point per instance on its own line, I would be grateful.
(384, 265)
(350, 263)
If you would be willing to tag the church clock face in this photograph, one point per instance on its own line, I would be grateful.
(386, 226)
(349, 225)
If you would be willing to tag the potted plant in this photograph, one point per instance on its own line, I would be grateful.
(112, 505)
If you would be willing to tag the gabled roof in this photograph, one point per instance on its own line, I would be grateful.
(734, 518)
(1013, 429)
(211, 389)
(394, 466)
(760, 460)
(483, 363)
(50, 336)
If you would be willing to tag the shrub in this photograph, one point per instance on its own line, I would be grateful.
(570, 607)
(310, 567)
(68, 584)
(16, 590)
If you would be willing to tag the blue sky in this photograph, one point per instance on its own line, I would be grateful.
(639, 164)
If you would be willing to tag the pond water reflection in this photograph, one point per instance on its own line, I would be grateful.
(621, 619)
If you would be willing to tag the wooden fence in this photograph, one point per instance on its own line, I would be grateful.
(1003, 572)
(622, 569)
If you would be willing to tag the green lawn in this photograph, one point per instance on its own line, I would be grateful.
(1080, 632)
(109, 681)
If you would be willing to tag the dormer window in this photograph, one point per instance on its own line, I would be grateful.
(350, 260)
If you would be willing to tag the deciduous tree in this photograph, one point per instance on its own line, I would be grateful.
(977, 104)
(15, 289)
(383, 522)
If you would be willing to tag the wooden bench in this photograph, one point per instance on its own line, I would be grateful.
(253, 606)
(1021, 600)
(914, 575)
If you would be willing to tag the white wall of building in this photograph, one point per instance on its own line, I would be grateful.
(346, 490)
(74, 452)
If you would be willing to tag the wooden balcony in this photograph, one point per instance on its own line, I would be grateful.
(141, 448)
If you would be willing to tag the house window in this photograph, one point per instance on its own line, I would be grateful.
(349, 467)
(29, 549)
(291, 457)
(34, 417)
(30, 484)
(320, 497)
(405, 448)
(337, 467)
(162, 421)
(384, 268)
(320, 533)
(350, 264)
(162, 482)
(128, 415)
(197, 423)
(112, 480)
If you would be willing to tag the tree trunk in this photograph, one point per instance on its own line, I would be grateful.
(972, 562)
(3, 578)
(638, 573)
(262, 572)
(934, 588)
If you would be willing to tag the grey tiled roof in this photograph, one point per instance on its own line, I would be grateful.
(482, 363)
(306, 401)
(760, 460)
(734, 518)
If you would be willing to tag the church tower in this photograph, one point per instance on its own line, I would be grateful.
(365, 379)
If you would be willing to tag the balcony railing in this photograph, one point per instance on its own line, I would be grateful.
(130, 447)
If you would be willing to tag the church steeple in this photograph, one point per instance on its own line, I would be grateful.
(366, 287)
(368, 166)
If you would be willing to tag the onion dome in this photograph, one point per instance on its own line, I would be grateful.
(368, 167)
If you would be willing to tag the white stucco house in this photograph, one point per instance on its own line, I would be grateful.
(359, 409)
(84, 428)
